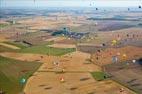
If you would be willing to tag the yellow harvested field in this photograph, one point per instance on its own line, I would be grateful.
(55, 39)
(47, 79)
(3, 37)
(123, 54)
(9, 46)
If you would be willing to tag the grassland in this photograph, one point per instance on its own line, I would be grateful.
(99, 76)
(17, 44)
(3, 25)
(44, 49)
(11, 71)
(39, 49)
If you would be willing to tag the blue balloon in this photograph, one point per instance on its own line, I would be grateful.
(114, 59)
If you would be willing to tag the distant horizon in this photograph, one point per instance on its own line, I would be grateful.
(70, 7)
(75, 8)
(69, 3)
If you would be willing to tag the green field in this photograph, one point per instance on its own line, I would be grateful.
(99, 76)
(3, 25)
(17, 44)
(7, 49)
(39, 49)
(44, 49)
(11, 71)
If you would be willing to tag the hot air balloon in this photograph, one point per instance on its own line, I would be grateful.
(134, 61)
(114, 42)
(114, 59)
(22, 81)
(62, 80)
(128, 9)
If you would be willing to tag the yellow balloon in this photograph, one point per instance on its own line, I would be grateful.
(114, 42)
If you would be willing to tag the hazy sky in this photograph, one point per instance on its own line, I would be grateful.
(70, 3)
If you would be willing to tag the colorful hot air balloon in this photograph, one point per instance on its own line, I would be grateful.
(62, 79)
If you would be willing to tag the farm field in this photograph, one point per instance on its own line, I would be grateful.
(127, 74)
(44, 49)
(5, 49)
(123, 54)
(70, 50)
(12, 71)
(40, 49)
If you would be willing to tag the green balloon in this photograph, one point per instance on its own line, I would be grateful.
(23, 80)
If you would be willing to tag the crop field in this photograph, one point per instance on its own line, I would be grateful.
(70, 50)
(127, 74)
(5, 49)
(99, 76)
(3, 25)
(17, 44)
(40, 49)
(12, 71)
(44, 49)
